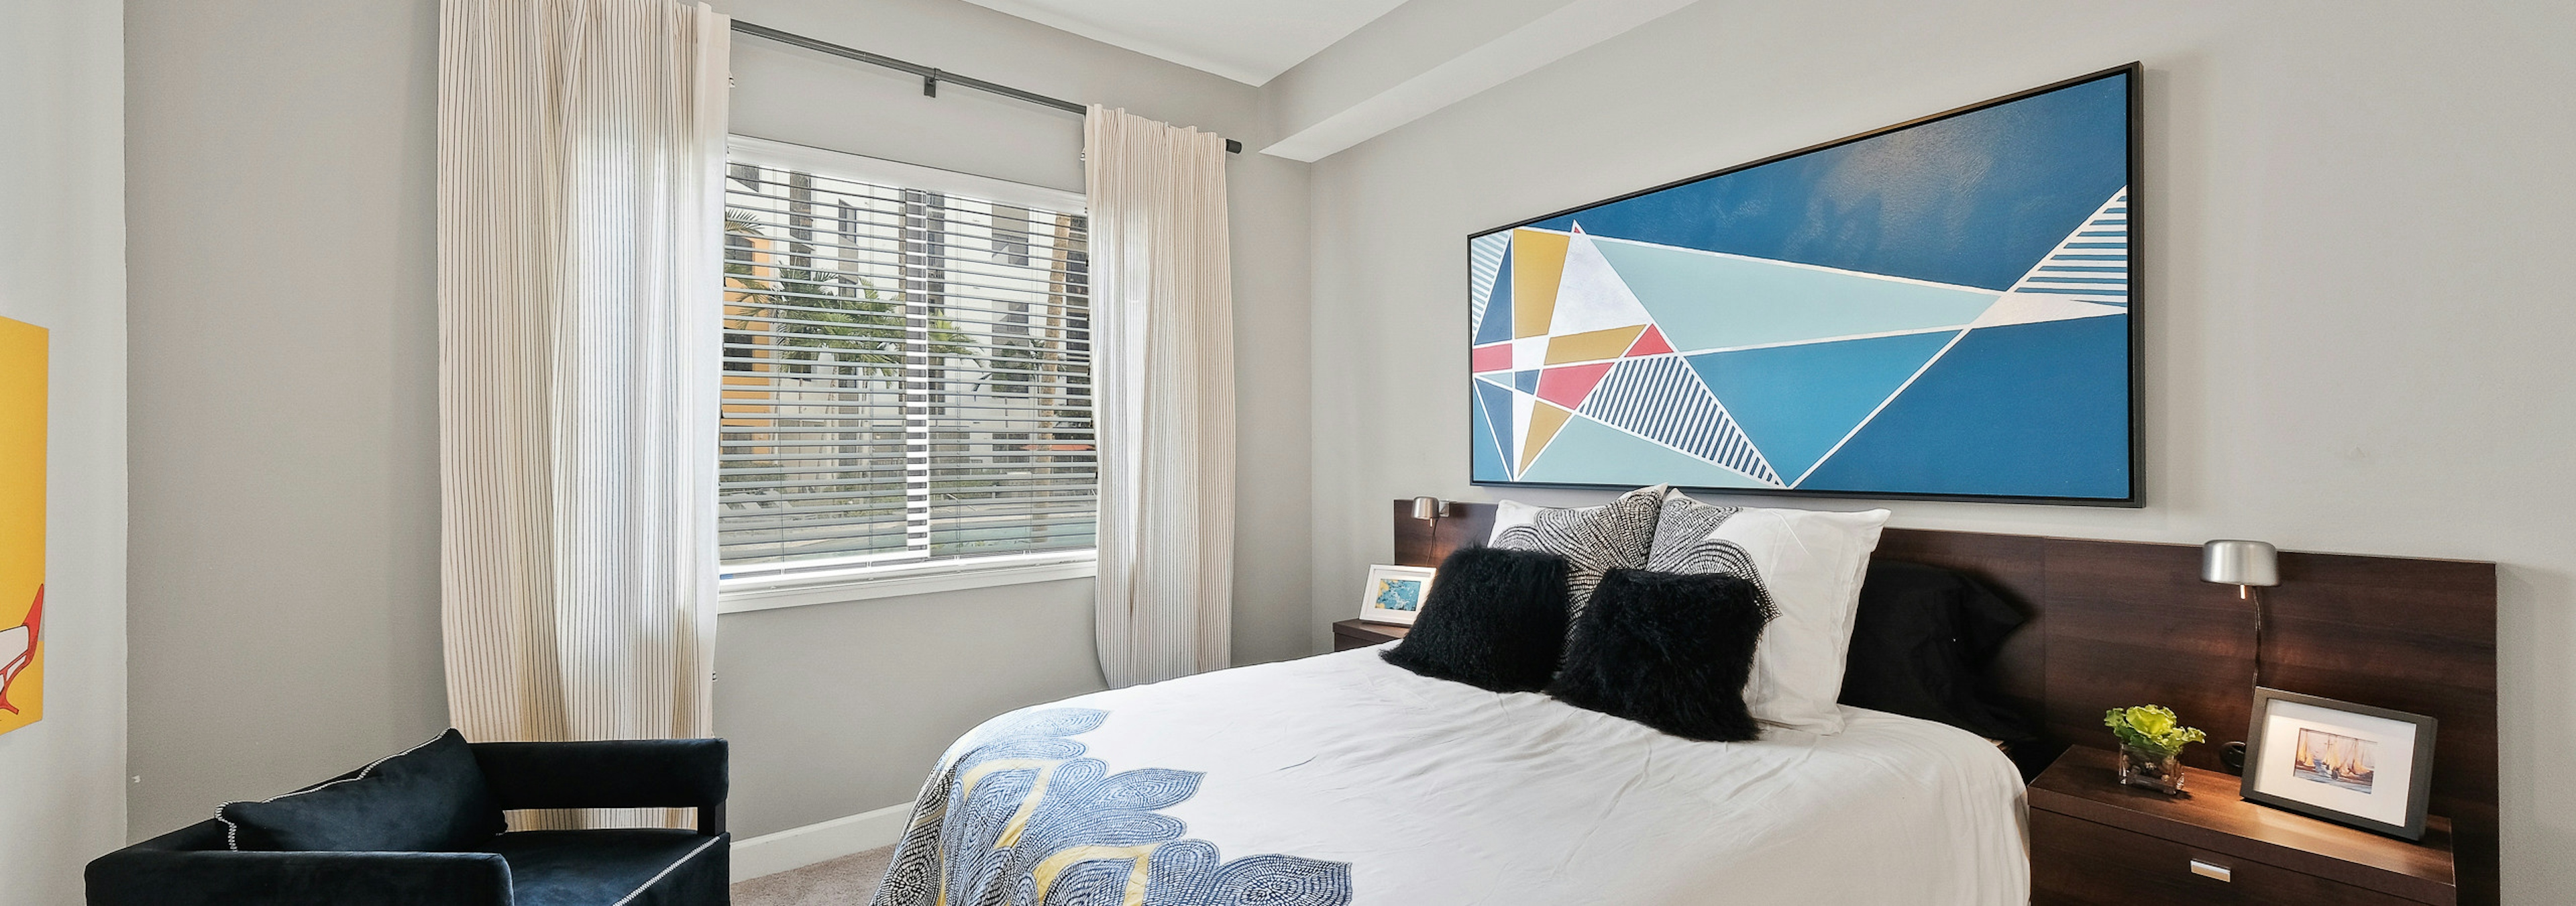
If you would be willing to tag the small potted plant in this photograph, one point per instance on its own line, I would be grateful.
(2151, 741)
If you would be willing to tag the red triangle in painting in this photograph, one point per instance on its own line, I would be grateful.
(1649, 343)
(1568, 385)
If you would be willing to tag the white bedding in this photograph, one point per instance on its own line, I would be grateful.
(1351, 781)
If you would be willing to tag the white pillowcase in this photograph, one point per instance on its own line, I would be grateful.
(1809, 564)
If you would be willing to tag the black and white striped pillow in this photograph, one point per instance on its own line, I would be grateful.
(1593, 540)
(1682, 545)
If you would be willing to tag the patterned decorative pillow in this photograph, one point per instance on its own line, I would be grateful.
(1593, 540)
(1806, 567)
(1682, 544)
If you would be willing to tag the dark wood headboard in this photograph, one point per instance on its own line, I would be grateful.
(2116, 623)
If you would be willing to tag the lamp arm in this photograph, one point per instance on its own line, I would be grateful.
(2256, 595)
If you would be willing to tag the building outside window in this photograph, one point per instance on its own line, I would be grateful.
(907, 369)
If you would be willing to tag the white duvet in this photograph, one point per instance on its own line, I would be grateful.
(1340, 779)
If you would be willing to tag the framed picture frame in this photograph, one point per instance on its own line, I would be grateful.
(1395, 594)
(1857, 318)
(2350, 763)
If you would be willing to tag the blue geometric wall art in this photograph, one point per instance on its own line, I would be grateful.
(1939, 309)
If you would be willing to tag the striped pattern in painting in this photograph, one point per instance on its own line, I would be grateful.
(1661, 399)
(1484, 266)
(2092, 264)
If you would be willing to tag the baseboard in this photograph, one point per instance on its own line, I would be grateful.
(797, 847)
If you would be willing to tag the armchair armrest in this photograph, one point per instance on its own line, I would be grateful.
(140, 876)
(626, 773)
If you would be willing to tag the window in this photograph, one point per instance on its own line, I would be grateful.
(907, 366)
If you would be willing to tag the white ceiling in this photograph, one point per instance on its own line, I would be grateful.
(1249, 41)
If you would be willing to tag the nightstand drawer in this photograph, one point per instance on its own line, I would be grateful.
(2096, 841)
(2075, 862)
(1349, 634)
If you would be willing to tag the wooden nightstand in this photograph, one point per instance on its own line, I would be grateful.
(2094, 841)
(1349, 634)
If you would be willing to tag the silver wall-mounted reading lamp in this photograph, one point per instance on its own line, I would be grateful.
(1430, 509)
(2247, 565)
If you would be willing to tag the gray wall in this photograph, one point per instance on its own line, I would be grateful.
(62, 268)
(284, 369)
(838, 709)
(285, 511)
(2356, 328)
(842, 708)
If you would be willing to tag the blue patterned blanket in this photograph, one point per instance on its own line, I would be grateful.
(1022, 819)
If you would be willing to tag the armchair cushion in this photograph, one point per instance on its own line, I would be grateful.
(601, 867)
(191, 867)
(431, 798)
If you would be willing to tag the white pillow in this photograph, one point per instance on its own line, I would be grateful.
(1808, 566)
(1593, 540)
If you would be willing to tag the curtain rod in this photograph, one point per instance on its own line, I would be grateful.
(930, 76)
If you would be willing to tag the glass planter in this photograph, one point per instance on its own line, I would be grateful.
(2153, 769)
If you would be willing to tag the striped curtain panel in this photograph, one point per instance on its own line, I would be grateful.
(1163, 375)
(580, 156)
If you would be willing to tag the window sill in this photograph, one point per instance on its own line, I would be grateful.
(772, 593)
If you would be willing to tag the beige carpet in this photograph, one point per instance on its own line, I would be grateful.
(847, 881)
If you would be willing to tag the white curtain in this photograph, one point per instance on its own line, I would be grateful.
(1163, 376)
(580, 166)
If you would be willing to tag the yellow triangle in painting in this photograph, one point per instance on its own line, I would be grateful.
(1591, 347)
(1544, 420)
(1538, 263)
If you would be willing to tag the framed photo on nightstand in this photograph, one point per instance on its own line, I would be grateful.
(1395, 593)
(2363, 766)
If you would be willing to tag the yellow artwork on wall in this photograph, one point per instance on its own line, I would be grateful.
(22, 524)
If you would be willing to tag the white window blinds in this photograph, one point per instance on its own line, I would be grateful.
(907, 366)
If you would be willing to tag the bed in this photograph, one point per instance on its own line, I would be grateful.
(1339, 779)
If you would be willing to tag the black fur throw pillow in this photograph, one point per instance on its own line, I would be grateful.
(1668, 650)
(1495, 620)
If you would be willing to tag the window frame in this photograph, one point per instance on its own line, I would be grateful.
(786, 585)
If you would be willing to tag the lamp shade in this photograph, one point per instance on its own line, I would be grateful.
(1427, 507)
(2240, 563)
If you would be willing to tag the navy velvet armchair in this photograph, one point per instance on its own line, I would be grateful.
(424, 829)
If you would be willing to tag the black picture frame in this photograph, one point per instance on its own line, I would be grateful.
(2419, 774)
(2135, 71)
